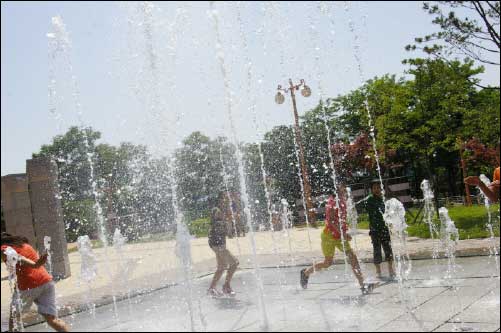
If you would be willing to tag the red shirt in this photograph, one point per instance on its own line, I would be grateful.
(27, 277)
(332, 218)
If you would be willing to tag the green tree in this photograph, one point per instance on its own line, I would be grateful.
(482, 120)
(475, 34)
(72, 151)
(255, 185)
(201, 165)
(281, 163)
(150, 198)
(427, 131)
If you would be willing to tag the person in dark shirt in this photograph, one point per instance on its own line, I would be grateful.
(225, 260)
(378, 230)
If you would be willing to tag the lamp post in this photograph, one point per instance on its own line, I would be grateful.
(280, 98)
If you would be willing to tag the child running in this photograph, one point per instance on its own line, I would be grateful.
(34, 283)
(331, 239)
(225, 260)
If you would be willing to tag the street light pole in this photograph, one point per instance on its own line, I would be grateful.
(279, 98)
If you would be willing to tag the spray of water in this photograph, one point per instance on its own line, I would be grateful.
(493, 252)
(229, 197)
(284, 28)
(286, 218)
(156, 103)
(243, 185)
(46, 244)
(63, 42)
(118, 243)
(429, 211)
(351, 217)
(372, 131)
(450, 238)
(183, 252)
(394, 216)
(88, 269)
(16, 305)
(314, 34)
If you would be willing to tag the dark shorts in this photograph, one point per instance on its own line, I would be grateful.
(379, 242)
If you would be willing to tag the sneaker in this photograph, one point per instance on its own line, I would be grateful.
(213, 292)
(228, 291)
(303, 279)
(368, 288)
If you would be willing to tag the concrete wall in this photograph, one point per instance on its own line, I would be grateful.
(47, 212)
(17, 207)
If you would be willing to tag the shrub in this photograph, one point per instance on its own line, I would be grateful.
(199, 227)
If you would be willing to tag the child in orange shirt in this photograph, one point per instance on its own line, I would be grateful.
(34, 283)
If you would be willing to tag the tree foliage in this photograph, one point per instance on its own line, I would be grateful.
(475, 35)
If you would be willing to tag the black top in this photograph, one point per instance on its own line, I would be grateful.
(217, 234)
(374, 206)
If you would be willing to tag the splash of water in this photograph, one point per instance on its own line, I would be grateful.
(183, 252)
(46, 244)
(17, 306)
(252, 109)
(243, 185)
(286, 220)
(118, 243)
(351, 216)
(394, 216)
(62, 42)
(314, 34)
(284, 28)
(372, 131)
(429, 211)
(493, 252)
(156, 102)
(450, 238)
(229, 198)
(88, 268)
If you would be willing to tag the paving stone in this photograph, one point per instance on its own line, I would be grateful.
(330, 305)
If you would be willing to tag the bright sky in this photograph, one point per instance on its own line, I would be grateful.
(110, 55)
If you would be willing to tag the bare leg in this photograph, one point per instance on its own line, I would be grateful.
(328, 261)
(391, 269)
(355, 267)
(378, 270)
(215, 279)
(57, 324)
(229, 275)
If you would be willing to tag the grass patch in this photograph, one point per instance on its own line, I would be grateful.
(470, 221)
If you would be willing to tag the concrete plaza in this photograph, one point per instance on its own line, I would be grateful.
(469, 301)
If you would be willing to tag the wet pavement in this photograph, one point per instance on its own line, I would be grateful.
(469, 301)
